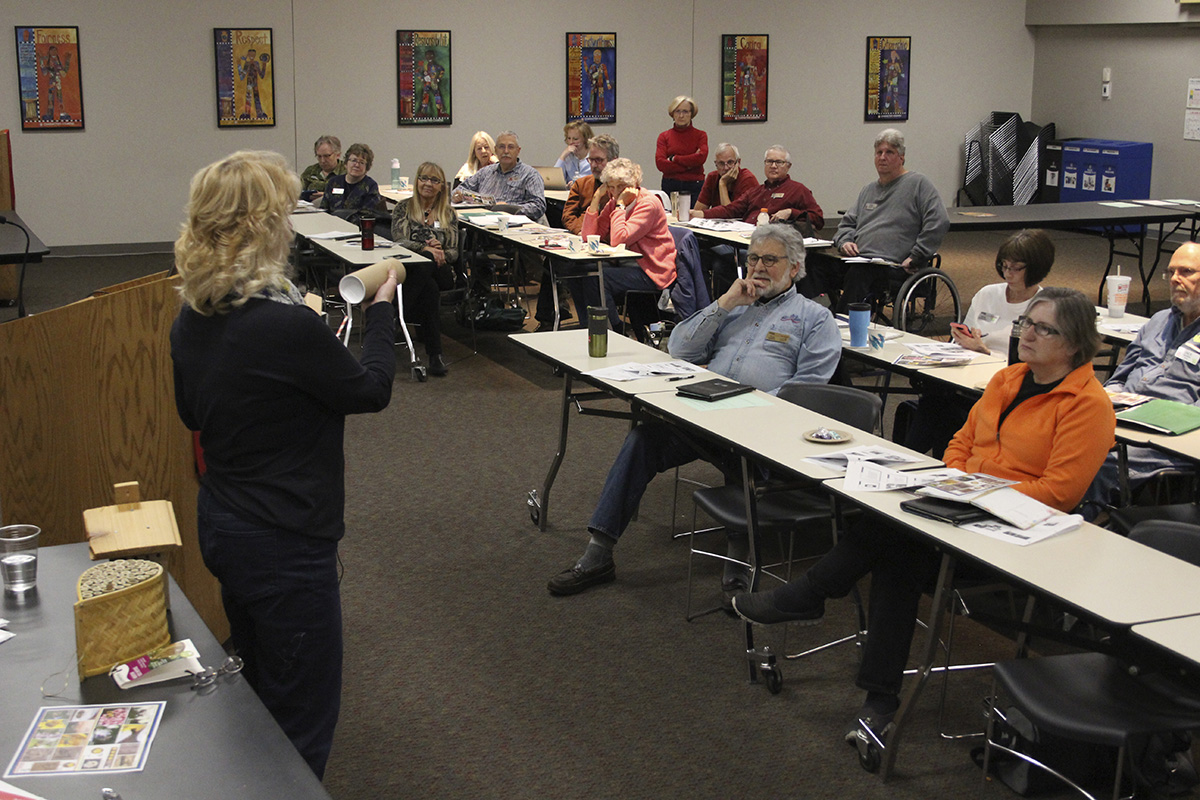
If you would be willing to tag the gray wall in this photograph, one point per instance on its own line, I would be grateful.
(1150, 67)
(150, 107)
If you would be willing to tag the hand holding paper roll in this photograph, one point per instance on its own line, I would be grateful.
(376, 280)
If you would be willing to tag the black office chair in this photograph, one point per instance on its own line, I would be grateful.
(782, 508)
(1093, 697)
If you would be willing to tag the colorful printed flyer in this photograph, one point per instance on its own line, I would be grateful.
(93, 739)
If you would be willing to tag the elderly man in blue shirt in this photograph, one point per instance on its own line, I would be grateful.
(510, 181)
(1163, 361)
(761, 332)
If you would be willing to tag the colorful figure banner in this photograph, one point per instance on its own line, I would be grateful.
(423, 77)
(592, 77)
(245, 77)
(48, 78)
(744, 78)
(887, 78)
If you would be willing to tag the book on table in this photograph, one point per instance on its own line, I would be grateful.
(713, 389)
(1162, 416)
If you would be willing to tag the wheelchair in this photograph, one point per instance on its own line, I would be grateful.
(924, 303)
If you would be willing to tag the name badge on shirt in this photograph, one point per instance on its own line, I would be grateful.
(436, 224)
(987, 318)
(776, 195)
(339, 190)
(776, 336)
(871, 206)
(1189, 353)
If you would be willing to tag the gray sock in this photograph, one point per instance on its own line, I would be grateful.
(598, 552)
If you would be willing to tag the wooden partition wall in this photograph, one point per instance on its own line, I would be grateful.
(87, 400)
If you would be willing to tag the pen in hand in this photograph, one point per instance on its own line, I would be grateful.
(680, 378)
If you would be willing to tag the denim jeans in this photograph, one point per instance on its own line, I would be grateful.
(280, 592)
(619, 279)
(648, 450)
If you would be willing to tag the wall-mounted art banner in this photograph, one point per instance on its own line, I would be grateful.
(423, 77)
(245, 77)
(592, 77)
(887, 78)
(744, 78)
(48, 78)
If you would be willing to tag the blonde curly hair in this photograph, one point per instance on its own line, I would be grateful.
(236, 239)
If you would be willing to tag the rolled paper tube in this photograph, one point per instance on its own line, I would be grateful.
(358, 286)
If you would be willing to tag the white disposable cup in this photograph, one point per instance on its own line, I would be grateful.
(18, 557)
(1118, 294)
(683, 207)
(358, 286)
(502, 223)
(405, 183)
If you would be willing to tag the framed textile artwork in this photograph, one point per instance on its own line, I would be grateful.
(888, 59)
(744, 77)
(423, 78)
(48, 78)
(245, 77)
(592, 77)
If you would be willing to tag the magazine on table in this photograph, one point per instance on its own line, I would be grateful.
(994, 495)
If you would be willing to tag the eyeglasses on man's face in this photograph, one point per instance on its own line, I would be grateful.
(775, 162)
(1041, 329)
(724, 165)
(768, 260)
(1183, 273)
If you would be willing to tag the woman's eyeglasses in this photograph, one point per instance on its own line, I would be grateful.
(1009, 266)
(1040, 328)
(436, 181)
(208, 676)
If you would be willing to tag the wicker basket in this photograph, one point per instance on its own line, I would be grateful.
(122, 624)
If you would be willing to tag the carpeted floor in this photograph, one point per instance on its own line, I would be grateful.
(465, 679)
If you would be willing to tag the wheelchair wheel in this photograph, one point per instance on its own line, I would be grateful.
(927, 303)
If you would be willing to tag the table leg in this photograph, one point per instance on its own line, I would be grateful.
(539, 503)
(941, 600)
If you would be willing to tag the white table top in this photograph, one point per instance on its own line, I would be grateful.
(1180, 635)
(308, 224)
(1103, 321)
(569, 350)
(772, 433)
(395, 195)
(555, 242)
(1089, 569)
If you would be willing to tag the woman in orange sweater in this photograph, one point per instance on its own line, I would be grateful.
(1045, 423)
(623, 213)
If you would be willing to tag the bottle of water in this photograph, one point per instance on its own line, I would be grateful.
(763, 217)
(395, 174)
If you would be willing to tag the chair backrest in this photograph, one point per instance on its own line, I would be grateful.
(1180, 539)
(689, 294)
(846, 404)
(663, 196)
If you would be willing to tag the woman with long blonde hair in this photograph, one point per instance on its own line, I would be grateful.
(268, 386)
(426, 224)
(481, 153)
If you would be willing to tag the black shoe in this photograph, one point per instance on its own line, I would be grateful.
(576, 579)
(880, 725)
(760, 609)
(542, 327)
(437, 366)
(732, 588)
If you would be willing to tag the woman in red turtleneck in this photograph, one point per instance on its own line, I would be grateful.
(682, 150)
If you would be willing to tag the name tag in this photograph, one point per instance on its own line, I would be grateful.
(436, 224)
(339, 190)
(871, 206)
(1188, 353)
(777, 195)
(776, 336)
(986, 317)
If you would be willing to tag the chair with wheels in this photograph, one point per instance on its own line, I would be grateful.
(1095, 698)
(783, 509)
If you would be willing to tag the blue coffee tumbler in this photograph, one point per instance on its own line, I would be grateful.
(860, 319)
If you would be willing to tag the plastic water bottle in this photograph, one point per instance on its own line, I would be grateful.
(763, 217)
(395, 174)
